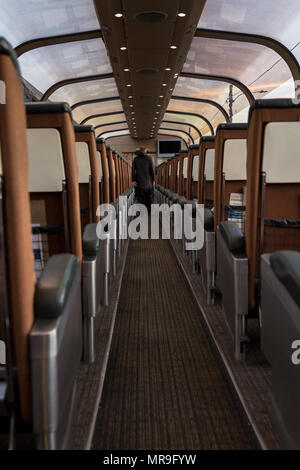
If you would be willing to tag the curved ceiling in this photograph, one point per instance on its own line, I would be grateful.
(136, 48)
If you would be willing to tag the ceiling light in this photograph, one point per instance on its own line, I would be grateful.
(130, 97)
(161, 96)
(157, 112)
(132, 112)
(119, 15)
(128, 84)
(159, 105)
(181, 14)
(164, 84)
(123, 48)
(171, 89)
(126, 70)
(173, 47)
(176, 75)
(168, 69)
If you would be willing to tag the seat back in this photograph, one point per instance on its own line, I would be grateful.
(117, 174)
(101, 147)
(47, 194)
(273, 181)
(230, 168)
(178, 178)
(15, 212)
(168, 173)
(121, 175)
(182, 155)
(185, 164)
(206, 171)
(192, 187)
(85, 183)
(100, 174)
(112, 174)
(85, 139)
(57, 207)
(174, 173)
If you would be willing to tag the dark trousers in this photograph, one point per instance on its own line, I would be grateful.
(144, 196)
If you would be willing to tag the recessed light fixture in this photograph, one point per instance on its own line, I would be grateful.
(159, 105)
(161, 96)
(128, 84)
(171, 89)
(181, 15)
(126, 70)
(123, 48)
(157, 112)
(176, 75)
(168, 69)
(173, 47)
(131, 105)
(119, 15)
(130, 97)
(164, 84)
(132, 112)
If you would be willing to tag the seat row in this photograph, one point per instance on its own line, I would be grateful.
(55, 271)
(248, 179)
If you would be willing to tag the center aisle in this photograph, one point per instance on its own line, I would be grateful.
(165, 387)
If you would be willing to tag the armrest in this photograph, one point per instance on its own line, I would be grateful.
(208, 220)
(286, 267)
(90, 241)
(233, 237)
(54, 286)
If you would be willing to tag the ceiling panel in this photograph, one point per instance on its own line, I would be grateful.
(277, 19)
(111, 128)
(178, 128)
(205, 89)
(22, 20)
(210, 112)
(107, 119)
(111, 134)
(186, 127)
(96, 108)
(243, 61)
(88, 90)
(147, 55)
(45, 66)
(197, 122)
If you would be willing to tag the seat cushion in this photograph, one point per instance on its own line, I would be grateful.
(286, 267)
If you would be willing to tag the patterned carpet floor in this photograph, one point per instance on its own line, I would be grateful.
(165, 386)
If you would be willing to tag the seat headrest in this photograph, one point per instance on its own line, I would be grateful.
(273, 103)
(184, 151)
(210, 138)
(48, 108)
(99, 140)
(232, 126)
(83, 128)
(108, 148)
(194, 147)
(7, 49)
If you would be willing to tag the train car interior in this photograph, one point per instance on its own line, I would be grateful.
(149, 225)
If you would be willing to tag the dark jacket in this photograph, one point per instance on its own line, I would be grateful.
(143, 171)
